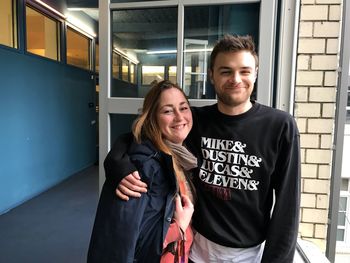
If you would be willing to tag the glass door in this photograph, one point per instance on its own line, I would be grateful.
(144, 42)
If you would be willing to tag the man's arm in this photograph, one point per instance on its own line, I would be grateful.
(118, 166)
(283, 228)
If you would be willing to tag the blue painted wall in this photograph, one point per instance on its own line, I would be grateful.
(46, 133)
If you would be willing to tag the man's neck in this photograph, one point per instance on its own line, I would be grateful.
(234, 110)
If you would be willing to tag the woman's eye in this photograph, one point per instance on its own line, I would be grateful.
(168, 111)
(184, 108)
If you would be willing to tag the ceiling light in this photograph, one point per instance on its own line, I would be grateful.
(50, 8)
(81, 26)
(172, 51)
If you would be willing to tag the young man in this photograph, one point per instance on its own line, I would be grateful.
(248, 183)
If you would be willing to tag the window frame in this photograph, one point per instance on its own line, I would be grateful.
(15, 28)
(89, 38)
(59, 34)
(345, 244)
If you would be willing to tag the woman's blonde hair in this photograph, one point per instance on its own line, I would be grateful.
(146, 125)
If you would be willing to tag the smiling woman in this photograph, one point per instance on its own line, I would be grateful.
(155, 227)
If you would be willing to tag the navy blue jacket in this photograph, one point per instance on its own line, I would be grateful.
(134, 231)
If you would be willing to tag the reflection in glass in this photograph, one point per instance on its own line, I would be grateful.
(133, 73)
(340, 234)
(97, 58)
(344, 184)
(148, 38)
(116, 65)
(341, 219)
(8, 25)
(172, 74)
(147, 41)
(125, 69)
(151, 74)
(78, 49)
(120, 123)
(204, 25)
(42, 34)
(342, 204)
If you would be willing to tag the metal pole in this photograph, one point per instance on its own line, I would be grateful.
(340, 118)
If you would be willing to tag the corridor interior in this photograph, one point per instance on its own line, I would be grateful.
(53, 227)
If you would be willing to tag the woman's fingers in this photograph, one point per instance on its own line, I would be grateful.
(178, 205)
(186, 201)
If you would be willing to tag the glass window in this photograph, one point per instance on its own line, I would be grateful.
(147, 38)
(340, 234)
(150, 74)
(8, 25)
(133, 73)
(125, 70)
(342, 218)
(78, 49)
(97, 58)
(119, 124)
(116, 64)
(344, 184)
(127, 1)
(42, 34)
(203, 26)
(172, 74)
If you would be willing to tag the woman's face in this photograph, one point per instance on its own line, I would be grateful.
(174, 116)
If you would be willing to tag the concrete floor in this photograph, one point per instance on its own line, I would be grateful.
(54, 226)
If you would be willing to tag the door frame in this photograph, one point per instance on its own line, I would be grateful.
(267, 45)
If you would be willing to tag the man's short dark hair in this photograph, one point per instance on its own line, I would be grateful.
(234, 43)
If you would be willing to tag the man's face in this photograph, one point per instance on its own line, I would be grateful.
(233, 76)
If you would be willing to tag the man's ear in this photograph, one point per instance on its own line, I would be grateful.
(256, 73)
(211, 76)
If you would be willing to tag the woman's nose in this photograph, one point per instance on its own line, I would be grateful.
(178, 115)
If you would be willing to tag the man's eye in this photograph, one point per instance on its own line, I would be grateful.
(245, 72)
(225, 72)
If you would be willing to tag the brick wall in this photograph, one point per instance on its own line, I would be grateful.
(317, 61)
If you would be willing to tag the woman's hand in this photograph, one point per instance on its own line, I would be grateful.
(183, 211)
(131, 186)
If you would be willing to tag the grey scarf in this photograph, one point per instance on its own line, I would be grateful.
(185, 158)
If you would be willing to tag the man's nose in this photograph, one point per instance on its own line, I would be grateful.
(235, 77)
